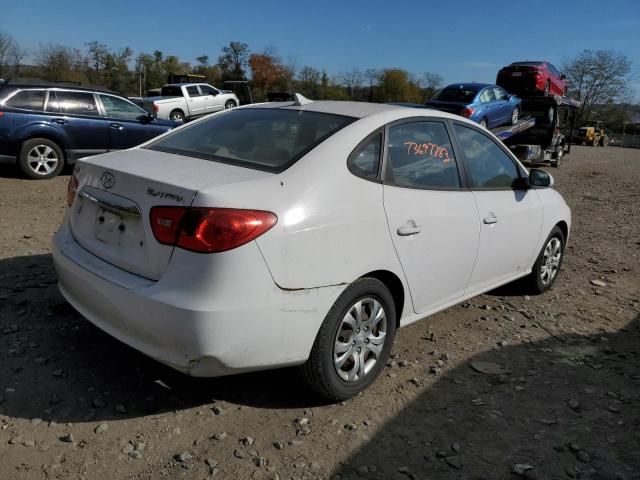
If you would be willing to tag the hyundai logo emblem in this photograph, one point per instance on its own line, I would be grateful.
(108, 180)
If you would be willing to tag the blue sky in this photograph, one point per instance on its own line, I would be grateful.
(463, 40)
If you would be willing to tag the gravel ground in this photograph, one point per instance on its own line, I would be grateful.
(506, 385)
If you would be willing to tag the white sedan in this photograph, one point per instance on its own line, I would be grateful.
(301, 233)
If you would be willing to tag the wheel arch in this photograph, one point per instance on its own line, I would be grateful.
(564, 228)
(395, 286)
(47, 136)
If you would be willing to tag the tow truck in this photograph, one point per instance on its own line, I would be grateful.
(544, 132)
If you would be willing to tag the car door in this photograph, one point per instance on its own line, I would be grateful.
(432, 219)
(77, 114)
(510, 215)
(503, 108)
(195, 101)
(211, 98)
(489, 107)
(128, 124)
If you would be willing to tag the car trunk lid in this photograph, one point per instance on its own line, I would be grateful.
(110, 214)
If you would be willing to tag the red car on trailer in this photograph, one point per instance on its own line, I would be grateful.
(532, 77)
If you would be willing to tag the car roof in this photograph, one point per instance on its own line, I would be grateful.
(470, 86)
(335, 107)
(68, 86)
(356, 109)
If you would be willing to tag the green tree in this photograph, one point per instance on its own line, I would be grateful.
(233, 60)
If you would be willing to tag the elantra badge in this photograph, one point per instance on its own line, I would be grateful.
(108, 180)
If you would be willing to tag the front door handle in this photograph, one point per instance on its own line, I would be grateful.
(60, 121)
(490, 219)
(407, 230)
(116, 126)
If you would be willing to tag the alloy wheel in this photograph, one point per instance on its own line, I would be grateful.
(42, 159)
(360, 339)
(514, 116)
(551, 260)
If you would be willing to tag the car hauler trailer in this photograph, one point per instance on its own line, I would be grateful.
(545, 132)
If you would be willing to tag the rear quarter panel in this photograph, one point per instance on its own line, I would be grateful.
(19, 127)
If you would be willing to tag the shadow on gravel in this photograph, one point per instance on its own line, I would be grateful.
(565, 408)
(54, 364)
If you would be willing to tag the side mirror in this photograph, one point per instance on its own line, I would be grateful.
(563, 76)
(148, 118)
(540, 178)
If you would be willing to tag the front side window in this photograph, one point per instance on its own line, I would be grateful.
(487, 165)
(72, 103)
(420, 156)
(365, 159)
(263, 138)
(499, 93)
(121, 109)
(27, 100)
(207, 90)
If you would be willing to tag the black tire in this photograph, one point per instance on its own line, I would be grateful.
(320, 371)
(515, 115)
(177, 116)
(604, 141)
(535, 279)
(40, 158)
(230, 104)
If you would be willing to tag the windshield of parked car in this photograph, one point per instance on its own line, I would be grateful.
(263, 138)
(456, 94)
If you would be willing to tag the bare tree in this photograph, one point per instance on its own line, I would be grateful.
(373, 75)
(7, 43)
(16, 55)
(597, 77)
(57, 61)
(352, 80)
(432, 83)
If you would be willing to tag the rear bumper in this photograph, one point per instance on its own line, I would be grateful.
(201, 325)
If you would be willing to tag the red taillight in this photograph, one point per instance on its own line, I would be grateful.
(467, 112)
(1, 114)
(209, 230)
(72, 188)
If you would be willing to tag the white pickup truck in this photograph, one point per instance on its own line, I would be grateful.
(183, 101)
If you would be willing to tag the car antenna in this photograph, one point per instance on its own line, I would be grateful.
(300, 100)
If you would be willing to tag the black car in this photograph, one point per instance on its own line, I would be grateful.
(43, 127)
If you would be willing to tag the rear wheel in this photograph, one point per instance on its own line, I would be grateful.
(354, 341)
(515, 115)
(230, 104)
(595, 142)
(177, 116)
(40, 158)
(545, 270)
(604, 141)
(483, 123)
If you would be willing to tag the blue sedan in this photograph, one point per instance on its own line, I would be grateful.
(489, 105)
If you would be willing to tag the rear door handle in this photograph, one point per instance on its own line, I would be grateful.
(60, 121)
(407, 230)
(490, 219)
(116, 126)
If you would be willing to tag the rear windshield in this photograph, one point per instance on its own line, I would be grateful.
(451, 94)
(265, 139)
(171, 91)
(526, 64)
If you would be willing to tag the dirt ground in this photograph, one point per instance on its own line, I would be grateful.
(565, 403)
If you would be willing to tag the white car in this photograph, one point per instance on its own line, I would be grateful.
(301, 234)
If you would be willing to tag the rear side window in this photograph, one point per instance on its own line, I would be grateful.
(488, 166)
(263, 138)
(365, 159)
(72, 103)
(27, 100)
(193, 91)
(420, 156)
